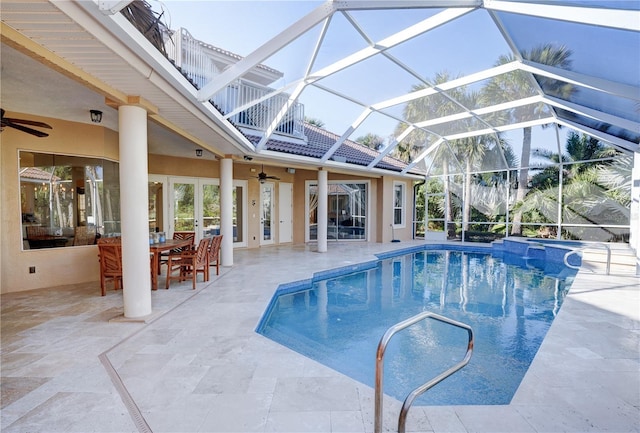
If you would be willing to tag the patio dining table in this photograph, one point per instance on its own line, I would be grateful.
(158, 249)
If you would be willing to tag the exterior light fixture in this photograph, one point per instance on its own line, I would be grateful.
(198, 153)
(96, 116)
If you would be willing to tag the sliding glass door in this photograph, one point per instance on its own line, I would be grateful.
(346, 211)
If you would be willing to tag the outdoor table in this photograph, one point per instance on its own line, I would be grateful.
(158, 249)
(47, 241)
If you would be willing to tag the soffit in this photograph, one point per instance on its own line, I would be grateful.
(58, 37)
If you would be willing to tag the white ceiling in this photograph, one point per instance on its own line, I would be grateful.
(28, 87)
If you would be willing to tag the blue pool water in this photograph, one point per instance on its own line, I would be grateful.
(509, 303)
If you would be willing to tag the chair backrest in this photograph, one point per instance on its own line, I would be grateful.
(84, 235)
(36, 231)
(185, 235)
(214, 250)
(202, 251)
(110, 240)
(110, 254)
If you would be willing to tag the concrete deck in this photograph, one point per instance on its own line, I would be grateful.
(70, 365)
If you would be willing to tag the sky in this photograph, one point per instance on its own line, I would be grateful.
(469, 44)
(242, 26)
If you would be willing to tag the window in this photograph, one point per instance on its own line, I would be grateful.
(347, 211)
(67, 200)
(399, 198)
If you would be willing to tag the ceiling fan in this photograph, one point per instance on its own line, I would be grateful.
(262, 176)
(18, 124)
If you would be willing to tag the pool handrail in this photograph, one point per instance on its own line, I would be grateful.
(384, 341)
(586, 247)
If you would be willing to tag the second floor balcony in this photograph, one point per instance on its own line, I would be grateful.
(248, 104)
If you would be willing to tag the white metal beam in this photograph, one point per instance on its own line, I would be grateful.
(462, 81)
(301, 85)
(594, 114)
(391, 146)
(276, 120)
(588, 81)
(346, 135)
(422, 155)
(623, 19)
(389, 42)
(405, 4)
(480, 111)
(625, 145)
(272, 46)
(535, 122)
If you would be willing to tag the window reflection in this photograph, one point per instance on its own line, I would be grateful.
(67, 200)
(347, 211)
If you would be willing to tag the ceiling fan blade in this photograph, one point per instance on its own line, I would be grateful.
(9, 120)
(27, 130)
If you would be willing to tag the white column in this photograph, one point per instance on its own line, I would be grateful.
(226, 211)
(134, 215)
(323, 189)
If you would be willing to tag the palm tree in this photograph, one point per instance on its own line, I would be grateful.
(428, 107)
(517, 85)
(315, 122)
(471, 150)
(372, 141)
(596, 192)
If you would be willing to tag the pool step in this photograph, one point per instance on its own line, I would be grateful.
(623, 259)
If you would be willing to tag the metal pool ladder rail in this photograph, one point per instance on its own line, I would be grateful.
(421, 389)
(586, 247)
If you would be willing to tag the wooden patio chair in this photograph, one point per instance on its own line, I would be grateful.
(110, 256)
(34, 232)
(84, 235)
(189, 264)
(214, 252)
(177, 235)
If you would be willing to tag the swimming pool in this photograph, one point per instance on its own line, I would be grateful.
(339, 321)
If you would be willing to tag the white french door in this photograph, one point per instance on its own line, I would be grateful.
(184, 206)
(193, 204)
(266, 217)
(285, 212)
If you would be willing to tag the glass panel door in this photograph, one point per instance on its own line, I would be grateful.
(266, 220)
(182, 206)
(346, 211)
(209, 207)
(239, 213)
(157, 189)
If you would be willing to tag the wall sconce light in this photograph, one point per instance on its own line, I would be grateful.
(198, 153)
(96, 116)
(291, 170)
(247, 158)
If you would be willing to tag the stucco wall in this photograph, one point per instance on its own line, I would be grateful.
(53, 266)
(80, 264)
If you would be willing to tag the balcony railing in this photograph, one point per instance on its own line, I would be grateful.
(199, 68)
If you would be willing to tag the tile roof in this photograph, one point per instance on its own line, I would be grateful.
(319, 141)
(36, 174)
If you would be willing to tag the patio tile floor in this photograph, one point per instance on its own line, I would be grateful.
(198, 365)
